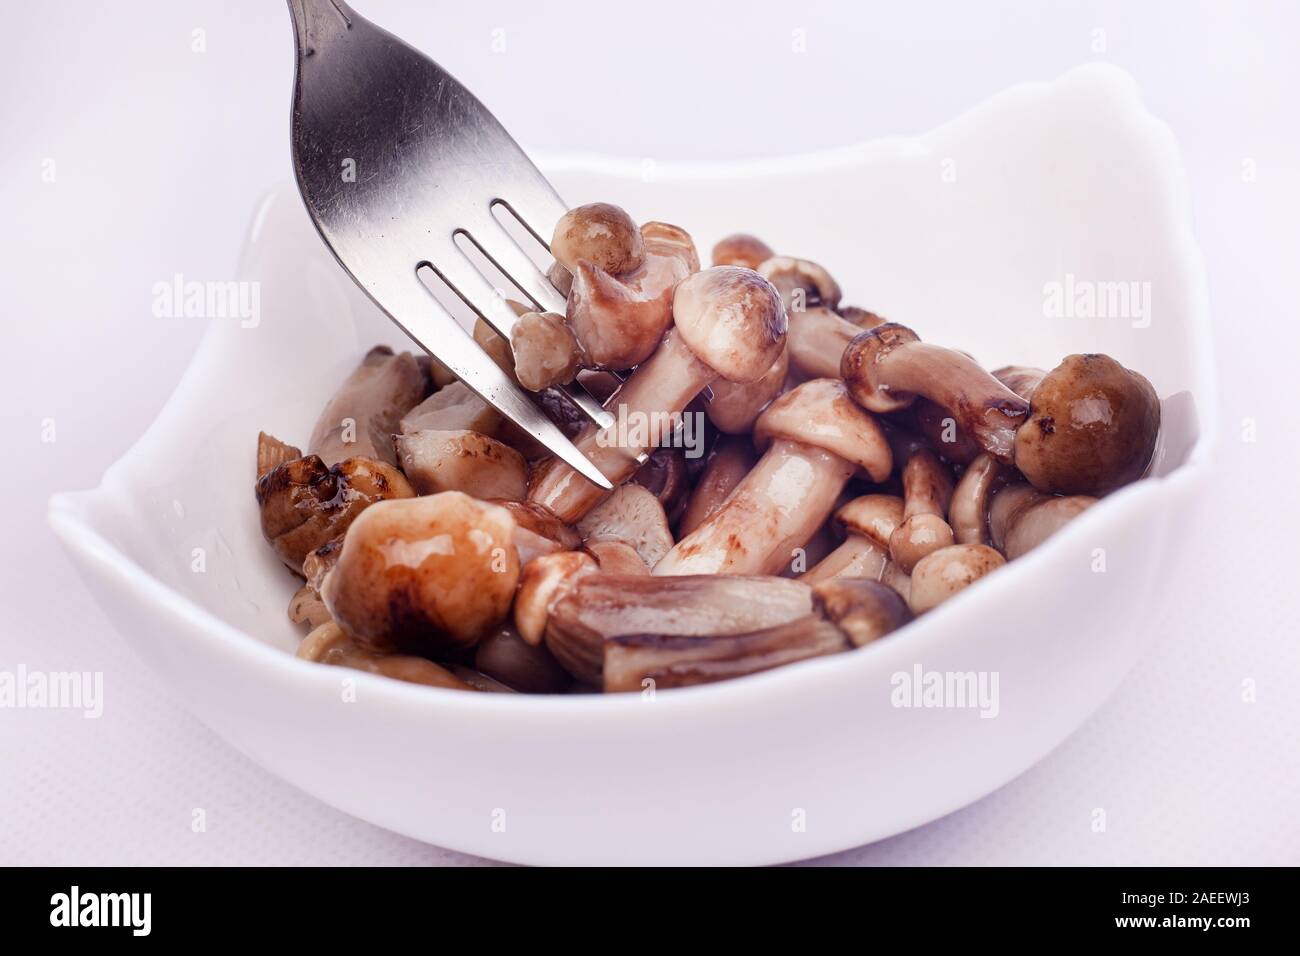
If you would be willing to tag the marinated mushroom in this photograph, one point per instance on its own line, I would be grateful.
(1026, 518)
(968, 511)
(528, 668)
(816, 439)
(329, 644)
(735, 406)
(618, 321)
(1091, 425)
(599, 233)
(304, 505)
(599, 606)
(927, 489)
(545, 350)
(633, 516)
(941, 574)
(462, 460)
(424, 575)
(728, 462)
(361, 418)
(666, 476)
(868, 522)
(729, 323)
(544, 581)
(741, 249)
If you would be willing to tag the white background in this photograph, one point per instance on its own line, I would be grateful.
(160, 152)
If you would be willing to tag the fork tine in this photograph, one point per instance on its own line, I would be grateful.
(455, 268)
(422, 318)
(495, 243)
(538, 209)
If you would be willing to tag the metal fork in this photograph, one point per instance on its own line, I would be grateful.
(395, 160)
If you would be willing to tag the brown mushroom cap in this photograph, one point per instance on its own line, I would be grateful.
(858, 366)
(863, 609)
(543, 582)
(941, 574)
(732, 320)
(821, 414)
(602, 234)
(1092, 428)
(424, 575)
(304, 505)
(741, 249)
(791, 276)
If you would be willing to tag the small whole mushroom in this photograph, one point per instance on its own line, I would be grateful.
(941, 574)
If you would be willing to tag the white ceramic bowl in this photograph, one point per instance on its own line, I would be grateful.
(954, 233)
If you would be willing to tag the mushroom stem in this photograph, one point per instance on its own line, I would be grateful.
(857, 557)
(817, 340)
(927, 489)
(646, 410)
(982, 405)
(728, 463)
(775, 509)
(968, 512)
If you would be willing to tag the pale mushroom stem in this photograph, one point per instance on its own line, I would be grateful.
(645, 410)
(857, 557)
(817, 340)
(778, 506)
(982, 405)
(968, 512)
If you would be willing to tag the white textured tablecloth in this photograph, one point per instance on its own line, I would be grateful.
(158, 149)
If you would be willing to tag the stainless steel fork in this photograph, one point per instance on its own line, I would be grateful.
(395, 161)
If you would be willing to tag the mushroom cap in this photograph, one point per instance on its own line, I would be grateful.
(462, 460)
(941, 574)
(789, 274)
(545, 351)
(918, 536)
(617, 557)
(858, 366)
(735, 406)
(424, 575)
(872, 516)
(543, 582)
(863, 609)
(741, 249)
(665, 239)
(601, 233)
(633, 515)
(820, 413)
(732, 320)
(1092, 427)
(1037, 522)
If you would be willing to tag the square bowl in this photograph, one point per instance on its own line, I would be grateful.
(963, 234)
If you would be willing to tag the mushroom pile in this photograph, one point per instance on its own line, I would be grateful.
(794, 477)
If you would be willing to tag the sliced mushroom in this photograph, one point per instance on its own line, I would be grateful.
(816, 439)
(600, 606)
(741, 249)
(927, 489)
(361, 418)
(633, 516)
(303, 504)
(941, 574)
(729, 324)
(846, 614)
(868, 521)
(329, 644)
(729, 461)
(465, 461)
(424, 575)
(619, 320)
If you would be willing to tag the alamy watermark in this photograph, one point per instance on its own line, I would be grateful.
(1075, 298)
(634, 429)
(53, 690)
(182, 298)
(955, 690)
(75, 908)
